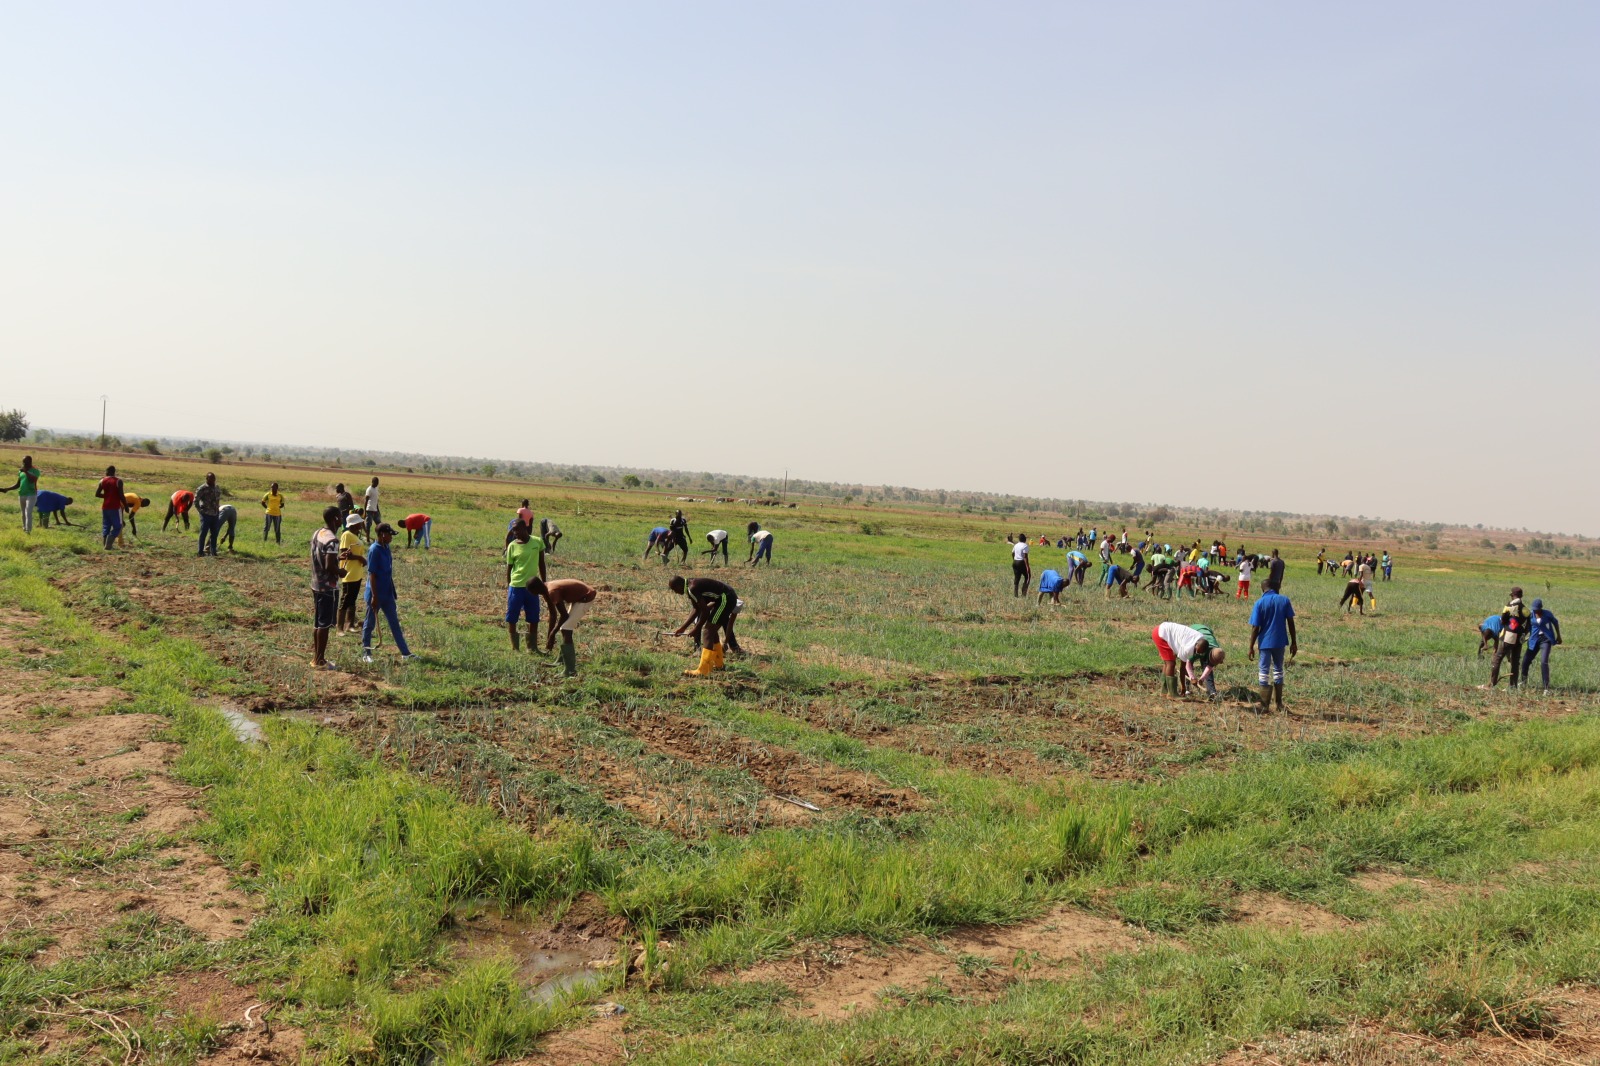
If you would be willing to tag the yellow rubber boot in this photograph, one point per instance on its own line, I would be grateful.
(705, 667)
(716, 657)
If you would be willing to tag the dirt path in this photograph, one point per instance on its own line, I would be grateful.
(96, 850)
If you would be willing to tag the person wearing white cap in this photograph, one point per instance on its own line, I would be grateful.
(352, 570)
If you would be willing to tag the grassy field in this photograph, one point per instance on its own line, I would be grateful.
(1020, 852)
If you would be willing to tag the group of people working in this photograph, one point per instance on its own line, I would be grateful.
(675, 536)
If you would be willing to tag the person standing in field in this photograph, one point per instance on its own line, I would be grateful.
(550, 533)
(381, 595)
(1544, 633)
(419, 530)
(1388, 566)
(112, 504)
(324, 586)
(1322, 558)
(352, 572)
(678, 536)
(1021, 571)
(1513, 632)
(272, 504)
(369, 505)
(345, 502)
(1275, 568)
(27, 489)
(1177, 643)
(1247, 566)
(715, 606)
(568, 601)
(1272, 630)
(178, 507)
(227, 519)
(718, 539)
(524, 565)
(132, 503)
(208, 502)
(1364, 575)
(761, 545)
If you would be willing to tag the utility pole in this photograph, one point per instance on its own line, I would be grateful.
(103, 399)
(786, 486)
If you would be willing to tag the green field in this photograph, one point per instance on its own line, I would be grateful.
(1403, 850)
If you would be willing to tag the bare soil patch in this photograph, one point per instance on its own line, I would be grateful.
(851, 975)
(1273, 911)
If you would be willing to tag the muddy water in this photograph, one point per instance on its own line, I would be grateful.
(548, 965)
(244, 727)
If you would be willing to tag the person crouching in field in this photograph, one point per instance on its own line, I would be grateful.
(419, 530)
(718, 539)
(550, 533)
(1050, 584)
(178, 507)
(227, 522)
(132, 504)
(1271, 630)
(48, 505)
(1021, 570)
(1177, 643)
(761, 545)
(524, 566)
(381, 595)
(715, 606)
(659, 540)
(1354, 595)
(1488, 632)
(1119, 578)
(1513, 631)
(568, 600)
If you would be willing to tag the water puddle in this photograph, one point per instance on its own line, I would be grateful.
(549, 965)
(244, 726)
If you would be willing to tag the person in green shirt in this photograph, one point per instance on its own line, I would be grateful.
(524, 565)
(27, 489)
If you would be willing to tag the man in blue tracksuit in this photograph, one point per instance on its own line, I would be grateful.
(381, 595)
(1544, 633)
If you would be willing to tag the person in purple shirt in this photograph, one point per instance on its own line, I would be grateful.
(1271, 631)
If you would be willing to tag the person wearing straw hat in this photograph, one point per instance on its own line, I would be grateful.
(353, 571)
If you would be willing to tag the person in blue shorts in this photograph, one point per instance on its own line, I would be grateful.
(1544, 633)
(1050, 584)
(524, 565)
(1271, 631)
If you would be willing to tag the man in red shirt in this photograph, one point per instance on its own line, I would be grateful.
(109, 492)
(178, 507)
(419, 528)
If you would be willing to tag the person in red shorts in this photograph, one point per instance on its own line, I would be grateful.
(1177, 643)
(419, 529)
(178, 507)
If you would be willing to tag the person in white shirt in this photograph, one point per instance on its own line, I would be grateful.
(1247, 566)
(1177, 643)
(369, 506)
(718, 539)
(1021, 571)
(760, 545)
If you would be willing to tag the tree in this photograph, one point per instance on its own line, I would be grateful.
(213, 455)
(13, 425)
(598, 479)
(152, 446)
(631, 481)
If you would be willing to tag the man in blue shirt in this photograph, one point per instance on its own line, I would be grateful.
(1272, 630)
(1544, 633)
(381, 595)
(1489, 632)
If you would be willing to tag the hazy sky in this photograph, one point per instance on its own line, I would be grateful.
(1308, 257)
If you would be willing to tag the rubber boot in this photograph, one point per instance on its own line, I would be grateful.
(1277, 692)
(569, 660)
(1266, 699)
(704, 669)
(716, 657)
